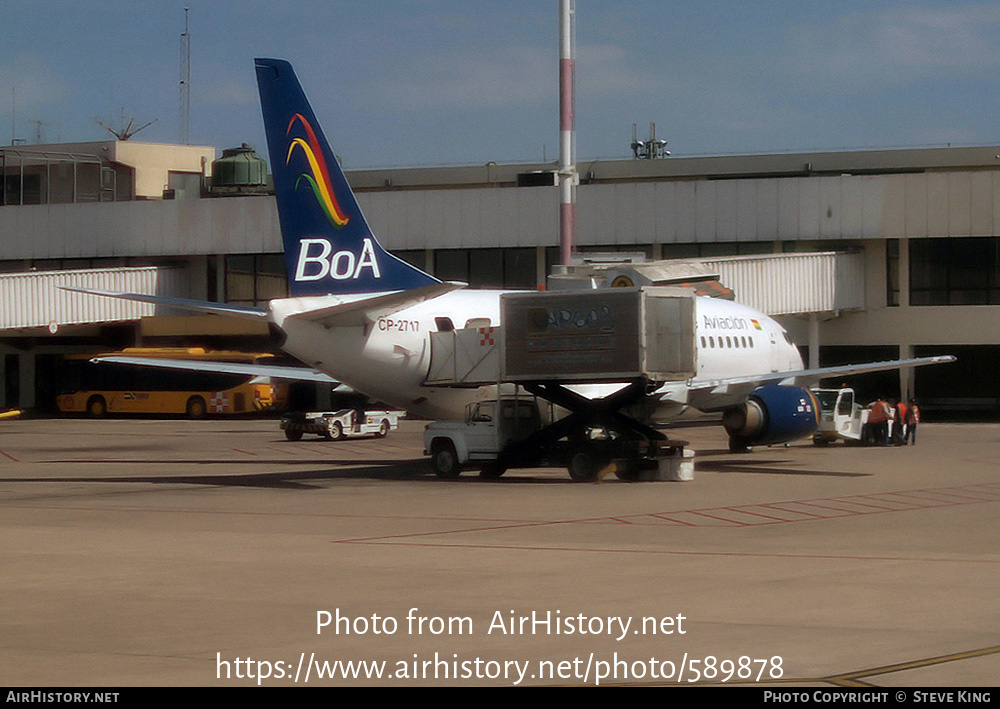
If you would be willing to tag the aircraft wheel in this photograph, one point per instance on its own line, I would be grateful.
(196, 408)
(383, 430)
(96, 407)
(334, 431)
(583, 465)
(738, 445)
(445, 460)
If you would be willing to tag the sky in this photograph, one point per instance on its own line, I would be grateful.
(440, 82)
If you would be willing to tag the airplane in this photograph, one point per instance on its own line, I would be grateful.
(361, 316)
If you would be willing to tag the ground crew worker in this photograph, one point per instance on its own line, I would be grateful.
(878, 418)
(901, 413)
(912, 419)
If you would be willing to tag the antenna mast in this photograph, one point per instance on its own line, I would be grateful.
(185, 119)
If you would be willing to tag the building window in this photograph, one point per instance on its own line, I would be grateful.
(414, 257)
(487, 268)
(955, 271)
(254, 279)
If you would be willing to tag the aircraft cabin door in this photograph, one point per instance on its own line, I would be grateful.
(774, 354)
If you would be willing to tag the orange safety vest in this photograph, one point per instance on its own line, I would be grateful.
(880, 412)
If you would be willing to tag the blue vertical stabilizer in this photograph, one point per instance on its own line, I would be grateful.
(329, 247)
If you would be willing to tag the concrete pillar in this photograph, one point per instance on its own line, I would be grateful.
(813, 340)
(541, 277)
(3, 379)
(220, 278)
(429, 261)
(657, 254)
(906, 373)
(26, 380)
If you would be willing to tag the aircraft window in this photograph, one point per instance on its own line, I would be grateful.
(711, 342)
(444, 324)
(751, 342)
(744, 339)
(729, 342)
(703, 344)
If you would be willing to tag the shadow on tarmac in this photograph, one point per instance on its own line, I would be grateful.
(746, 463)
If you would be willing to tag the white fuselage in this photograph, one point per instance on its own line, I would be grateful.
(388, 360)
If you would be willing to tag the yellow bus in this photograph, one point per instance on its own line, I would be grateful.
(102, 388)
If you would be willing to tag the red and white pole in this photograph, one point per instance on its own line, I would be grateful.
(567, 131)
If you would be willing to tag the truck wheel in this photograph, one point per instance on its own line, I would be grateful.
(627, 469)
(492, 471)
(583, 465)
(334, 431)
(293, 434)
(445, 460)
(96, 407)
(383, 429)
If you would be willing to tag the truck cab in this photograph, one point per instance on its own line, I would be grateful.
(490, 427)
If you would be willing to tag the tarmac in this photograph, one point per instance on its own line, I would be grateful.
(212, 553)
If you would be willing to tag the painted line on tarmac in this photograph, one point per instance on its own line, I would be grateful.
(732, 516)
(8, 455)
(853, 679)
(653, 552)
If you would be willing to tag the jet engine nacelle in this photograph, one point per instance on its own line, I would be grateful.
(772, 414)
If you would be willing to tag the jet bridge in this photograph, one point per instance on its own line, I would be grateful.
(627, 341)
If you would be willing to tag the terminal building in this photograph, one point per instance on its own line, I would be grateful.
(862, 255)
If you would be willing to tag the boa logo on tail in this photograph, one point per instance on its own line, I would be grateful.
(319, 180)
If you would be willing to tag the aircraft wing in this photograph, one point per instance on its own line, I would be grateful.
(240, 311)
(714, 394)
(304, 374)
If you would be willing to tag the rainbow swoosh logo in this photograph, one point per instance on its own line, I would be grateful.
(319, 180)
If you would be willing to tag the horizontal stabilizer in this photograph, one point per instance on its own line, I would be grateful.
(346, 311)
(302, 374)
(239, 311)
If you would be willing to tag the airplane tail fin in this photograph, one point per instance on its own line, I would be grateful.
(329, 247)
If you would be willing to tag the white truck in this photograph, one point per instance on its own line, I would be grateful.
(841, 417)
(506, 433)
(490, 427)
(334, 425)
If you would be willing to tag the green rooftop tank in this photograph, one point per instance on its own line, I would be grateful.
(239, 168)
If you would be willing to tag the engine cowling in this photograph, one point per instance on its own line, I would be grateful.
(772, 414)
